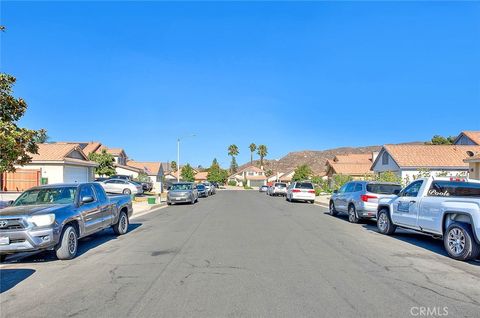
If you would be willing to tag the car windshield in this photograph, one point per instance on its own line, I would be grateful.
(379, 188)
(201, 187)
(181, 186)
(63, 195)
(304, 185)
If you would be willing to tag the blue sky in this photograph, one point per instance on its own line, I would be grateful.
(292, 76)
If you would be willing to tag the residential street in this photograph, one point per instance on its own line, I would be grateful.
(243, 254)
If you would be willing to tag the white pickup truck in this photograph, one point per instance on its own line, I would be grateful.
(442, 207)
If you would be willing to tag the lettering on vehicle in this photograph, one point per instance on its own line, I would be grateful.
(433, 192)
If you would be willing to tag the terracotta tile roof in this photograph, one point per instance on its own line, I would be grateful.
(256, 178)
(250, 168)
(429, 155)
(473, 135)
(201, 175)
(354, 158)
(351, 169)
(91, 147)
(150, 168)
(56, 151)
(128, 167)
(112, 151)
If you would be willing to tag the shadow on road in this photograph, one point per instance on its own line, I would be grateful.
(84, 245)
(9, 278)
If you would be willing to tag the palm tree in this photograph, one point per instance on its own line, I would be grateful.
(262, 152)
(233, 150)
(252, 147)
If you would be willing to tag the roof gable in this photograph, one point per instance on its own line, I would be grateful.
(473, 135)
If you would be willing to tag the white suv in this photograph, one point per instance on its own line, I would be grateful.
(301, 191)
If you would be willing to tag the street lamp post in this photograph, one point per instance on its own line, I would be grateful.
(178, 156)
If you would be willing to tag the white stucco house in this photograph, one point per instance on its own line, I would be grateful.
(154, 170)
(54, 163)
(408, 161)
(251, 176)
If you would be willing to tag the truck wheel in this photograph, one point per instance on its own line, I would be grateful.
(460, 243)
(332, 210)
(127, 191)
(68, 244)
(352, 214)
(384, 223)
(121, 227)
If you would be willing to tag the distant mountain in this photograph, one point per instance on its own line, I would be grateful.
(316, 159)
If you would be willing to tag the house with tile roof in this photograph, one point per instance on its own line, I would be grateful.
(358, 166)
(153, 169)
(468, 137)
(474, 166)
(54, 163)
(407, 161)
(251, 176)
(201, 176)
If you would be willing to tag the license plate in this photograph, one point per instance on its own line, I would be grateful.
(178, 199)
(4, 240)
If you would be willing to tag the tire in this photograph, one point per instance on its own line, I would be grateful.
(384, 223)
(459, 242)
(312, 201)
(192, 201)
(67, 247)
(121, 227)
(169, 203)
(352, 214)
(127, 191)
(332, 210)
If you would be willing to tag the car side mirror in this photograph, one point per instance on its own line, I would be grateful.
(87, 199)
(10, 203)
(335, 191)
(396, 192)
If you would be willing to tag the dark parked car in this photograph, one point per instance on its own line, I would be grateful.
(54, 217)
(202, 191)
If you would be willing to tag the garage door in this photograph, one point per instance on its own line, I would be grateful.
(75, 174)
(256, 183)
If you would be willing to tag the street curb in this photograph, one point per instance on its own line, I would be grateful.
(321, 205)
(152, 208)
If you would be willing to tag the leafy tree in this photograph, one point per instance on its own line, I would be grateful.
(42, 137)
(339, 180)
(269, 173)
(16, 143)
(233, 165)
(388, 176)
(233, 150)
(440, 140)
(105, 163)
(262, 152)
(173, 165)
(252, 147)
(217, 174)
(187, 173)
(422, 173)
(142, 177)
(317, 180)
(302, 172)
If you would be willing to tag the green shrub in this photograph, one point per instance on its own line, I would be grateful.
(232, 183)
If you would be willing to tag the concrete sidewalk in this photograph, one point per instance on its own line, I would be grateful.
(323, 200)
(140, 207)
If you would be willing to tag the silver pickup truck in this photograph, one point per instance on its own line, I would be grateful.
(54, 217)
(447, 208)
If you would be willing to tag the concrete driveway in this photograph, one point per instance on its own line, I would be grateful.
(244, 254)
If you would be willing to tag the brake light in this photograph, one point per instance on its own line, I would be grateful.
(295, 190)
(311, 191)
(365, 197)
(457, 179)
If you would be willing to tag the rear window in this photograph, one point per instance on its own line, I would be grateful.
(281, 185)
(383, 188)
(304, 185)
(454, 189)
(201, 187)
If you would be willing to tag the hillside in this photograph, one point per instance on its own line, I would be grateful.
(314, 158)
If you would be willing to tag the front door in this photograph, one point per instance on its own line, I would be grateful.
(405, 207)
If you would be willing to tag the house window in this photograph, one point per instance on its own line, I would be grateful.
(250, 173)
(385, 158)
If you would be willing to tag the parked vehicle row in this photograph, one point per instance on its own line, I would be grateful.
(147, 186)
(54, 217)
(446, 208)
(122, 186)
(296, 191)
(189, 192)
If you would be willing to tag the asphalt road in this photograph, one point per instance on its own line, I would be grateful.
(243, 254)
